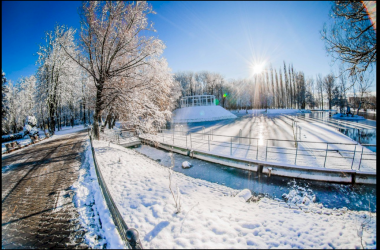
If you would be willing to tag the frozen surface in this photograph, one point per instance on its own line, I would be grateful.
(212, 217)
(201, 113)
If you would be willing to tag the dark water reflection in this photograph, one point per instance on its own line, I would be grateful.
(354, 197)
(363, 136)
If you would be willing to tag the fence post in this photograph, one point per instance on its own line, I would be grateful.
(208, 137)
(186, 141)
(266, 150)
(231, 147)
(324, 165)
(240, 136)
(257, 148)
(173, 137)
(353, 157)
(295, 160)
(250, 135)
(360, 162)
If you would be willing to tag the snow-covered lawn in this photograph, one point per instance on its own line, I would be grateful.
(270, 111)
(212, 218)
(201, 114)
(311, 150)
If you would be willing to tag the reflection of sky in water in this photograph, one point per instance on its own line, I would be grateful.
(329, 194)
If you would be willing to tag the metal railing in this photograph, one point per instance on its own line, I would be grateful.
(130, 236)
(300, 150)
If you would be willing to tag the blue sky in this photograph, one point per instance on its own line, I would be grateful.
(224, 37)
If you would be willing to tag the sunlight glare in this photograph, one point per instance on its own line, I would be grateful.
(258, 68)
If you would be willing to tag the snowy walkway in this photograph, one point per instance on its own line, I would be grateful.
(212, 218)
(37, 200)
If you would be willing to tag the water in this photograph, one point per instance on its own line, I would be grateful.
(363, 136)
(354, 197)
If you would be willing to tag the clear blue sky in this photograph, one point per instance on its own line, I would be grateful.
(223, 37)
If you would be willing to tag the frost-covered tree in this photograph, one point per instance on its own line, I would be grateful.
(58, 76)
(27, 89)
(145, 98)
(113, 45)
(4, 98)
(352, 36)
(13, 120)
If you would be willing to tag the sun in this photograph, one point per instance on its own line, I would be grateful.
(258, 68)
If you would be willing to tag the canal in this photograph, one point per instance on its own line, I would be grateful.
(354, 197)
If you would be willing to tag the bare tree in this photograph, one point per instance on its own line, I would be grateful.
(329, 84)
(320, 88)
(352, 37)
(364, 84)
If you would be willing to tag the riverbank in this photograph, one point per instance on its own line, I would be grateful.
(211, 217)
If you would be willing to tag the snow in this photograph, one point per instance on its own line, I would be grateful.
(245, 194)
(271, 111)
(186, 164)
(26, 141)
(345, 117)
(201, 114)
(283, 111)
(94, 214)
(312, 137)
(212, 218)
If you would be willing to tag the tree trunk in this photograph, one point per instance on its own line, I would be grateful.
(114, 121)
(84, 113)
(108, 120)
(98, 111)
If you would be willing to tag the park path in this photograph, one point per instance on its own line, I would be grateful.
(37, 198)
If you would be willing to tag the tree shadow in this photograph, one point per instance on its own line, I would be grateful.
(156, 230)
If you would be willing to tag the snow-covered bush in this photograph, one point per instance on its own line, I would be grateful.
(31, 120)
(30, 126)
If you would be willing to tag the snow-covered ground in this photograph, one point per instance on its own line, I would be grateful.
(115, 135)
(311, 150)
(94, 214)
(270, 111)
(211, 217)
(201, 113)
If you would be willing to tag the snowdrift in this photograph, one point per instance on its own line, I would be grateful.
(201, 114)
